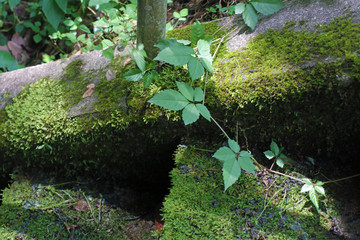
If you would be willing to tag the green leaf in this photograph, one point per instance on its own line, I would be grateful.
(274, 148)
(314, 198)
(307, 180)
(224, 153)
(233, 145)
(107, 43)
(280, 162)
(13, 4)
(3, 41)
(186, 90)
(204, 54)
(239, 8)
(231, 172)
(176, 15)
(177, 55)
(170, 99)
(190, 114)
(52, 12)
(245, 154)
(168, 43)
(197, 32)
(267, 7)
(71, 36)
(250, 16)
(198, 94)
(84, 28)
(134, 75)
(185, 42)
(37, 38)
(108, 53)
(246, 164)
(153, 75)
(319, 183)
(320, 189)
(269, 154)
(204, 111)
(62, 4)
(306, 187)
(8, 61)
(184, 12)
(139, 59)
(97, 2)
(196, 69)
(148, 77)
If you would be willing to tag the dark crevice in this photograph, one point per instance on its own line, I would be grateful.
(4, 182)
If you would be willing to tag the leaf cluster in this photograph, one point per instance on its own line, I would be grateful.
(250, 11)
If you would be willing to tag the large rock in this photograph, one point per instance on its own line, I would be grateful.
(296, 87)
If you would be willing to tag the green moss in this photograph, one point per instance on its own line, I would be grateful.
(198, 208)
(293, 83)
(95, 142)
(42, 211)
(211, 28)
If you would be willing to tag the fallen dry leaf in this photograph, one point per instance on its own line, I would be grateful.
(81, 205)
(90, 90)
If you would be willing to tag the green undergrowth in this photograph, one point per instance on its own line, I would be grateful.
(31, 210)
(263, 206)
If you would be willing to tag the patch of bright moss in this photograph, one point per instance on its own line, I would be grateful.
(198, 208)
(93, 142)
(286, 85)
(269, 68)
(211, 28)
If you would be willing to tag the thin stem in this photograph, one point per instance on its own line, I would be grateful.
(220, 127)
(283, 174)
(206, 77)
(342, 179)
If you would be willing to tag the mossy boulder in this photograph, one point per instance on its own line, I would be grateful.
(261, 206)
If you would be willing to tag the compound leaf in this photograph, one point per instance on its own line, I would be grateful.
(169, 99)
(267, 7)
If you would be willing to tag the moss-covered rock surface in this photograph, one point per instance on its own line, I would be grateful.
(41, 209)
(261, 206)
